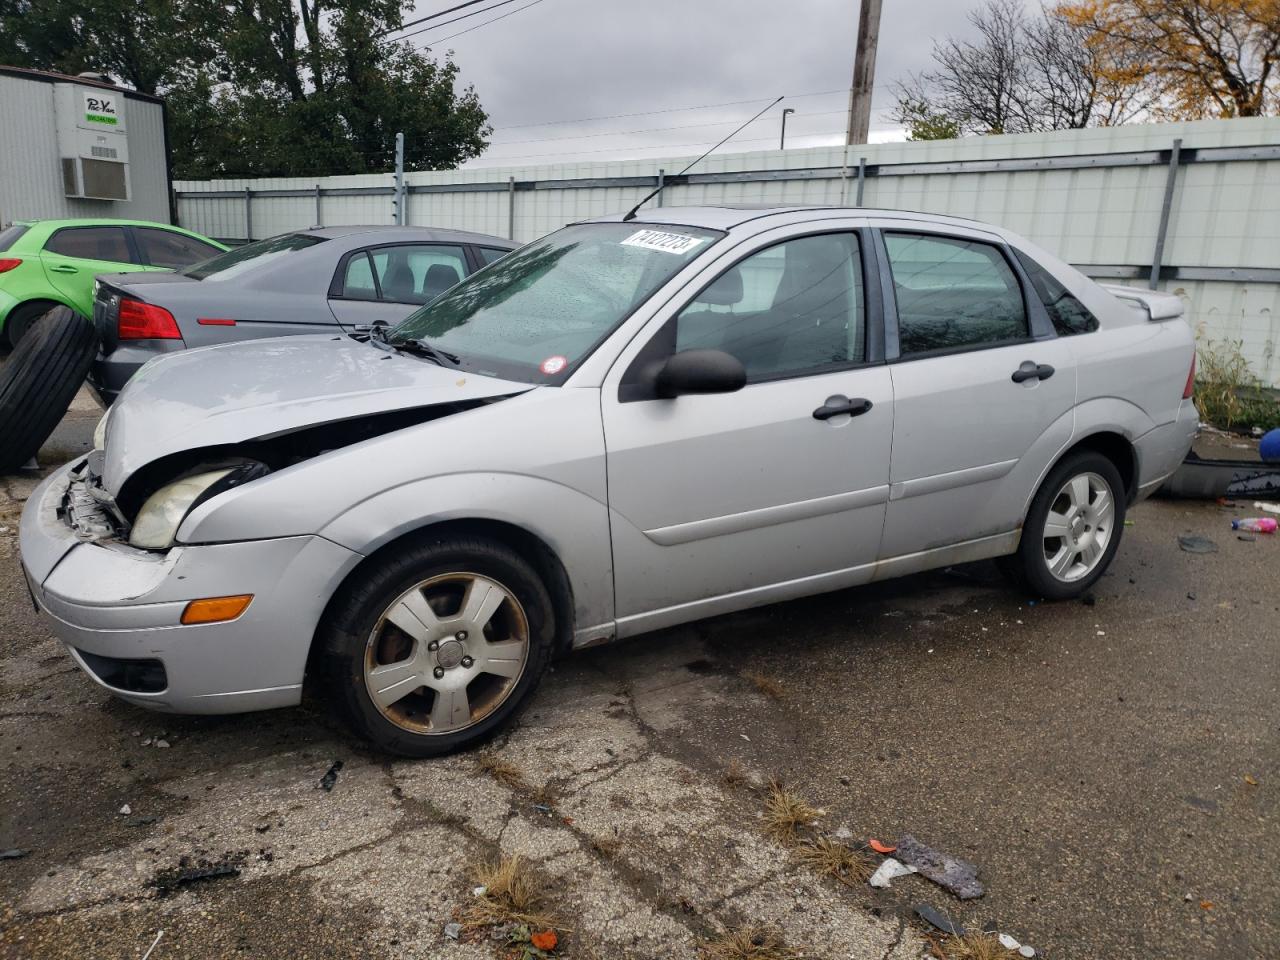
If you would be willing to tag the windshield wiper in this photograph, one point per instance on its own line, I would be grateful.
(423, 349)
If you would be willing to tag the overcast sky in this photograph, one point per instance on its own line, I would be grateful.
(566, 60)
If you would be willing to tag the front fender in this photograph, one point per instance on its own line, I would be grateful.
(574, 525)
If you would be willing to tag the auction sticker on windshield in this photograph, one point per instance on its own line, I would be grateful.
(676, 243)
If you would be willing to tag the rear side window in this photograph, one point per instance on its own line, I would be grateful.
(165, 248)
(9, 235)
(232, 263)
(90, 243)
(358, 284)
(487, 254)
(1068, 314)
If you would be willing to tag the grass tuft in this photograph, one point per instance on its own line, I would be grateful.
(514, 893)
(501, 770)
(751, 943)
(766, 684)
(786, 814)
(831, 858)
(734, 775)
(1228, 393)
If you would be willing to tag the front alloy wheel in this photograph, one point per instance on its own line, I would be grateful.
(437, 644)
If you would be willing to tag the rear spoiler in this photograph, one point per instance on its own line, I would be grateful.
(1156, 305)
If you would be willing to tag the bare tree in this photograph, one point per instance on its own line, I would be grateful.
(1020, 74)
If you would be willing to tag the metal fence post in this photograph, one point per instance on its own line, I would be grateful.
(662, 181)
(248, 215)
(399, 200)
(511, 208)
(862, 178)
(1171, 178)
(319, 219)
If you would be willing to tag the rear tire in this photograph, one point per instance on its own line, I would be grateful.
(39, 381)
(22, 319)
(438, 645)
(1072, 530)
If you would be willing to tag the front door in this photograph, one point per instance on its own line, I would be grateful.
(983, 397)
(721, 502)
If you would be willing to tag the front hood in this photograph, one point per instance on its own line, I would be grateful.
(263, 388)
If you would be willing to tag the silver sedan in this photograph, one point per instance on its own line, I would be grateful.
(622, 426)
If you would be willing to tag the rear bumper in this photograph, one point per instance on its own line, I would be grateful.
(118, 610)
(110, 372)
(1162, 450)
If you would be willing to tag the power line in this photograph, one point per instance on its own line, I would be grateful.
(648, 113)
(623, 133)
(430, 16)
(656, 146)
(485, 23)
(445, 23)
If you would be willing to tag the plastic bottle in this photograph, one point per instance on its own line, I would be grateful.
(1255, 524)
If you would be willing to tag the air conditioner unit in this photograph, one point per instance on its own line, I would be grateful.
(93, 141)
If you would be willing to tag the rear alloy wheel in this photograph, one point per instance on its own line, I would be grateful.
(440, 645)
(1072, 530)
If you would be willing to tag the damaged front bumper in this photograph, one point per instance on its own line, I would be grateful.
(118, 609)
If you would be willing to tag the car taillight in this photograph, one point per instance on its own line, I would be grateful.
(8, 263)
(145, 321)
(1190, 388)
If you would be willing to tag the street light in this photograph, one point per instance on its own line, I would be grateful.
(782, 141)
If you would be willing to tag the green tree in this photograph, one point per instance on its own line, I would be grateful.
(264, 87)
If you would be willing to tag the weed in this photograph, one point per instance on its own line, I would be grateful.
(830, 858)
(752, 943)
(972, 946)
(786, 814)
(514, 893)
(1227, 393)
(734, 775)
(501, 770)
(770, 687)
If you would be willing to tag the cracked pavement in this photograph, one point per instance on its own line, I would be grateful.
(1089, 759)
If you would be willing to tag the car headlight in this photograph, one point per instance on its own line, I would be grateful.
(157, 522)
(100, 432)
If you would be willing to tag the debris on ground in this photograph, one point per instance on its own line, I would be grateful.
(126, 810)
(189, 871)
(153, 945)
(1247, 538)
(453, 930)
(1250, 780)
(1194, 544)
(938, 919)
(1266, 507)
(889, 870)
(1255, 524)
(331, 777)
(142, 821)
(958, 876)
(879, 847)
(14, 854)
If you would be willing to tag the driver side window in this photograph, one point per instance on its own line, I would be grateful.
(793, 308)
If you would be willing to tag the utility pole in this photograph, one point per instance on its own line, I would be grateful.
(400, 194)
(864, 72)
(782, 140)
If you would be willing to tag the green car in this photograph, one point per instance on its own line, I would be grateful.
(50, 263)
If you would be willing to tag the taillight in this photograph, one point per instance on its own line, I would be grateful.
(1190, 388)
(145, 321)
(8, 263)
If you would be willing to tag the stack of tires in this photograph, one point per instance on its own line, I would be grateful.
(39, 379)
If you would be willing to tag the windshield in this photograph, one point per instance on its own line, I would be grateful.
(535, 313)
(226, 266)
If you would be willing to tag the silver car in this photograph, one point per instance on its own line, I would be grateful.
(619, 427)
(322, 280)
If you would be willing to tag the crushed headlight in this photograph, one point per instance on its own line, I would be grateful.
(100, 432)
(157, 522)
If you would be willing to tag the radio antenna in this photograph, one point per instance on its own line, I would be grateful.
(654, 192)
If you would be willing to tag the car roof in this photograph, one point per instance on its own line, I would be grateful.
(729, 216)
(392, 234)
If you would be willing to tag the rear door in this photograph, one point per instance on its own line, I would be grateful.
(388, 282)
(983, 389)
(73, 256)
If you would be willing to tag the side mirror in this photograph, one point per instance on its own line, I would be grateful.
(700, 371)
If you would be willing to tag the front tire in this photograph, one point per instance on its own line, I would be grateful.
(438, 645)
(1072, 530)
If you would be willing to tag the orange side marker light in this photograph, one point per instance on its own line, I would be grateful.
(216, 609)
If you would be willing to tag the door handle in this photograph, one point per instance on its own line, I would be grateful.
(64, 268)
(1027, 370)
(838, 405)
